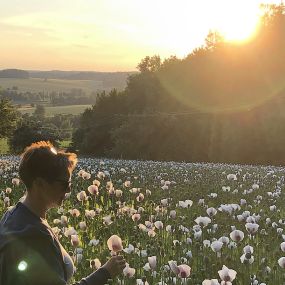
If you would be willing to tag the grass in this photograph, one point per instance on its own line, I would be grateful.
(4, 148)
(51, 111)
(64, 144)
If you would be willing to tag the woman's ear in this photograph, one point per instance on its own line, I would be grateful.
(39, 182)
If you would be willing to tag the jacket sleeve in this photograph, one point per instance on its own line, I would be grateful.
(37, 262)
(99, 277)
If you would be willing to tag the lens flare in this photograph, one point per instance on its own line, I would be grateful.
(22, 265)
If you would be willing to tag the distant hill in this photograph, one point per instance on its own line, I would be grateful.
(14, 73)
(78, 75)
(108, 79)
(93, 80)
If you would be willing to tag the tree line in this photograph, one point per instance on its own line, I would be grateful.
(222, 103)
(14, 73)
(76, 96)
(22, 130)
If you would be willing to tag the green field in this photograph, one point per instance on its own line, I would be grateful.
(56, 85)
(51, 111)
(64, 144)
(4, 148)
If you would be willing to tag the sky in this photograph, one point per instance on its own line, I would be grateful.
(114, 35)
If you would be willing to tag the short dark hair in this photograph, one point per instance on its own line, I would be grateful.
(41, 159)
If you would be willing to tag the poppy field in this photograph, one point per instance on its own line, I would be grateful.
(175, 223)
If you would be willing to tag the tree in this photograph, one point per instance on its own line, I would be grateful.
(213, 39)
(14, 73)
(222, 103)
(66, 129)
(40, 112)
(29, 132)
(150, 64)
(97, 123)
(8, 118)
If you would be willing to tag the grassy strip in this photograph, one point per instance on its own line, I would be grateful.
(4, 147)
(51, 111)
(64, 144)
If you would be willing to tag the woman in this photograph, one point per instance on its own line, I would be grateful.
(30, 253)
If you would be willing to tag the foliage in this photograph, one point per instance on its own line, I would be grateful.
(8, 118)
(4, 148)
(40, 112)
(14, 73)
(52, 111)
(149, 64)
(222, 103)
(97, 123)
(30, 131)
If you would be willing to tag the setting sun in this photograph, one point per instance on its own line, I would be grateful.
(238, 22)
(111, 35)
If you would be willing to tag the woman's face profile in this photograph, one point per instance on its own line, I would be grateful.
(56, 189)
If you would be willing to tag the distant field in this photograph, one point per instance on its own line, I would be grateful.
(4, 148)
(57, 85)
(51, 111)
(64, 144)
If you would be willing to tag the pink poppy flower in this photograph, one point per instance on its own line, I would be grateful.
(115, 243)
(93, 189)
(184, 271)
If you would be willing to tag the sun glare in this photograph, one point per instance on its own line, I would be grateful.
(238, 22)
(83, 38)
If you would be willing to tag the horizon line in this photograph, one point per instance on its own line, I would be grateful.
(63, 70)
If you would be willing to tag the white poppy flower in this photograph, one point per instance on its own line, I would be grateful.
(152, 262)
(211, 212)
(128, 271)
(81, 196)
(251, 228)
(216, 246)
(226, 274)
(247, 257)
(93, 242)
(203, 221)
(158, 225)
(129, 249)
(237, 235)
(281, 262)
(248, 249)
(231, 177)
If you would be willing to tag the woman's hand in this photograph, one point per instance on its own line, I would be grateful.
(115, 265)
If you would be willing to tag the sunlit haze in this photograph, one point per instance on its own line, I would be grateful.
(114, 35)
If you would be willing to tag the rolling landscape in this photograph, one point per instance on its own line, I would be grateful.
(47, 82)
(165, 165)
(60, 81)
